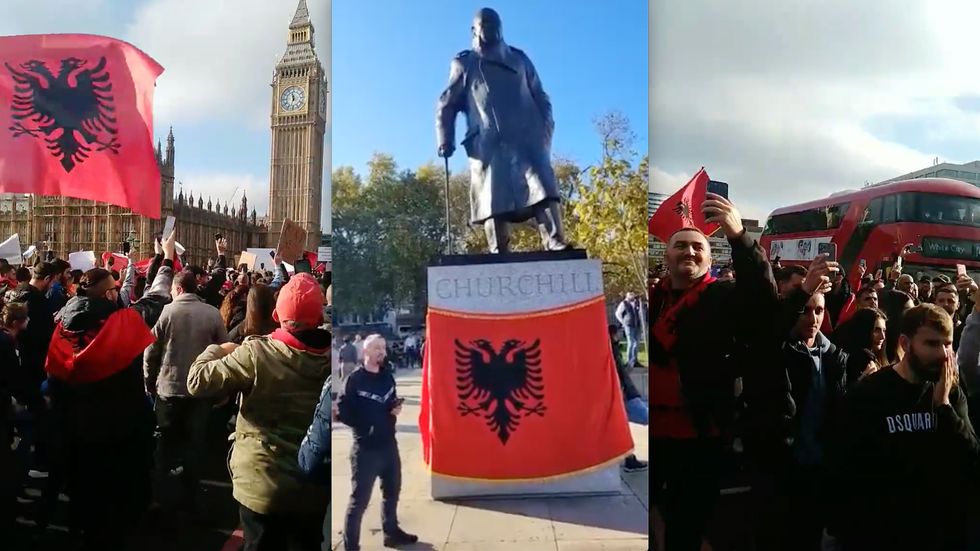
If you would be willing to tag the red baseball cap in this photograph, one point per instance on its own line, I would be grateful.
(300, 300)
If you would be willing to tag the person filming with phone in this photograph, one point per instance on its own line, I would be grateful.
(693, 366)
(370, 407)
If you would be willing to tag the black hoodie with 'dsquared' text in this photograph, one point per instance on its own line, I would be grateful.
(903, 466)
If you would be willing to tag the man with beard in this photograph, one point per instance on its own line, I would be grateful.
(692, 370)
(925, 289)
(907, 450)
(948, 298)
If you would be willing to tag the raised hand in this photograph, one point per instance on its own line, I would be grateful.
(718, 210)
(818, 275)
(169, 246)
(947, 378)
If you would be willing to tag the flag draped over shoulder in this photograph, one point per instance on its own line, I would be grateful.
(512, 397)
(76, 120)
(682, 210)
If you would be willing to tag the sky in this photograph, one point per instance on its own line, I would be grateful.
(795, 100)
(393, 62)
(219, 57)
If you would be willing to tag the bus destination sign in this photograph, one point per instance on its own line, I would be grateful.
(958, 249)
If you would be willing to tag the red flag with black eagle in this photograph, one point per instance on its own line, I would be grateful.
(76, 120)
(682, 210)
(100, 352)
(520, 397)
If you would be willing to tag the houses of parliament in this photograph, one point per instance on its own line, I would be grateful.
(298, 123)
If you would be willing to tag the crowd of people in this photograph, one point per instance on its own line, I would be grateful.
(108, 379)
(852, 408)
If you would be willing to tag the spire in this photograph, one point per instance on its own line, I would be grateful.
(159, 152)
(209, 203)
(302, 16)
(191, 200)
(170, 147)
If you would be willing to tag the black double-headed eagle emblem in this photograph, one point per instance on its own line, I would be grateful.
(45, 103)
(501, 385)
(683, 209)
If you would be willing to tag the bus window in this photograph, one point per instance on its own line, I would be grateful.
(889, 211)
(872, 213)
(819, 219)
(939, 209)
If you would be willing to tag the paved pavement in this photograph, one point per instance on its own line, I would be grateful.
(616, 522)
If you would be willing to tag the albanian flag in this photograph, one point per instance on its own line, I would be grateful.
(97, 354)
(682, 210)
(76, 119)
(516, 397)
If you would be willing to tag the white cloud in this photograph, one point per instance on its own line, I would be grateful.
(219, 55)
(777, 99)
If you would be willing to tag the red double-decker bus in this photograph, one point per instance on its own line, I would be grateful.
(938, 217)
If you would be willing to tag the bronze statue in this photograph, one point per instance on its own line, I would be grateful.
(508, 138)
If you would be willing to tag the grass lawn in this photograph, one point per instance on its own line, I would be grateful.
(641, 354)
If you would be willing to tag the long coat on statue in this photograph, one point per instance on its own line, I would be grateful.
(509, 131)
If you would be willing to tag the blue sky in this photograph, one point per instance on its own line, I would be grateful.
(392, 62)
(218, 56)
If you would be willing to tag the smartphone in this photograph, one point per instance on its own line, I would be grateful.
(828, 249)
(718, 188)
(125, 247)
(168, 227)
(960, 270)
(879, 274)
(397, 402)
(898, 262)
(302, 266)
(864, 264)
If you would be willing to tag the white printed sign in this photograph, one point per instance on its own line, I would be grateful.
(804, 249)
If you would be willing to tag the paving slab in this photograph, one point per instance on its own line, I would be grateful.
(616, 522)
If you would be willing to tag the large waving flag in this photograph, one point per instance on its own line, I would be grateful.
(511, 352)
(76, 119)
(682, 210)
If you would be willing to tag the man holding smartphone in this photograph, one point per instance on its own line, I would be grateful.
(370, 407)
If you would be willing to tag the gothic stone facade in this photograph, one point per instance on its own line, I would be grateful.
(68, 224)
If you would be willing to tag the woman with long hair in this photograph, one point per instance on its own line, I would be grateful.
(864, 333)
(258, 320)
(894, 304)
(233, 306)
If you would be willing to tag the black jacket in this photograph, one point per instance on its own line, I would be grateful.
(34, 340)
(211, 292)
(709, 348)
(903, 467)
(116, 408)
(366, 407)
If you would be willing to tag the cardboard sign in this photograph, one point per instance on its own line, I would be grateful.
(247, 259)
(83, 260)
(292, 240)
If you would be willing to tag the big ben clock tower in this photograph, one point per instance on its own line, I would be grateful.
(299, 112)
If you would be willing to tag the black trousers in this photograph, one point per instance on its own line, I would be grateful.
(183, 424)
(686, 479)
(282, 532)
(367, 465)
(792, 507)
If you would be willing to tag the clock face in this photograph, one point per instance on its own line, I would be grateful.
(292, 98)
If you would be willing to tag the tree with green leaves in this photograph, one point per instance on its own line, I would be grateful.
(390, 225)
